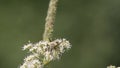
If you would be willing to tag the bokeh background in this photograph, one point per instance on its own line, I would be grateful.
(92, 26)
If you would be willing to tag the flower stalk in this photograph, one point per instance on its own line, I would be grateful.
(46, 50)
(50, 19)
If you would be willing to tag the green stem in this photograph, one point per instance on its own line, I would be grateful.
(47, 36)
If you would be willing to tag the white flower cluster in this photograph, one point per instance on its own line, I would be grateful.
(44, 52)
(112, 67)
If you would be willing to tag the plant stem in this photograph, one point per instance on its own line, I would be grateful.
(47, 36)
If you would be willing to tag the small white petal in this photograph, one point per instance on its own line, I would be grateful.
(27, 46)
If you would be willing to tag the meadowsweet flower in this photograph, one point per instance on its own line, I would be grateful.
(32, 61)
(112, 66)
(44, 51)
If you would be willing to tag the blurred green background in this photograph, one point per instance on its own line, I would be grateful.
(92, 26)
